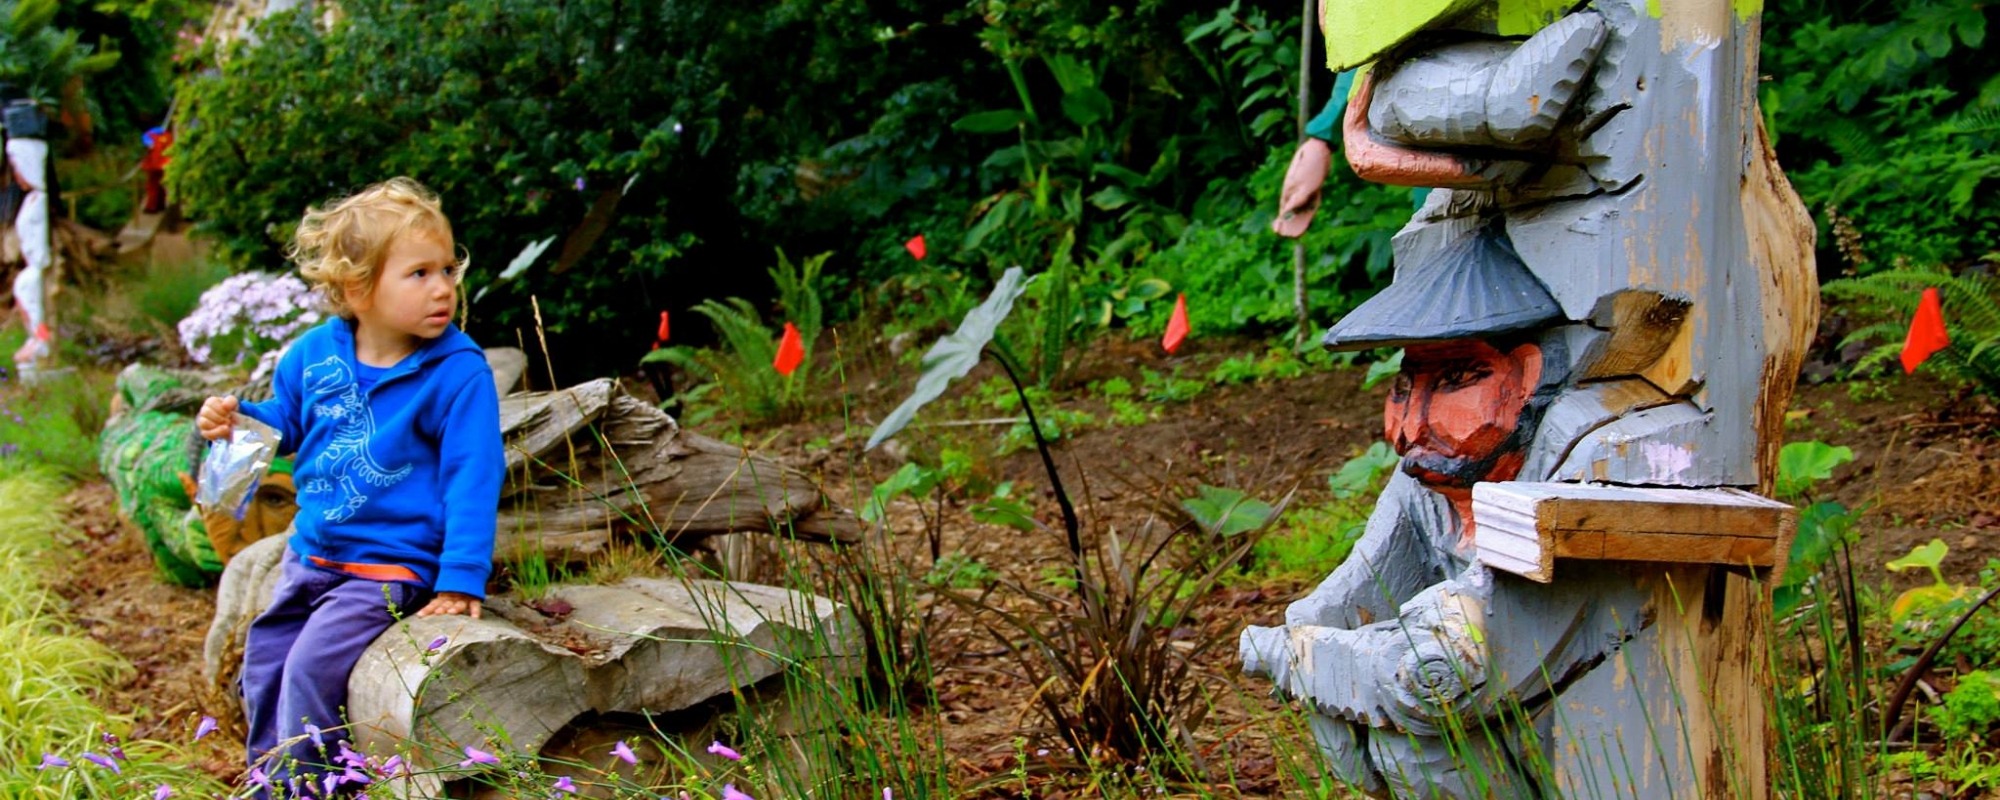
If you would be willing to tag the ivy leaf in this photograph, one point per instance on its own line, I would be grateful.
(956, 354)
(1802, 464)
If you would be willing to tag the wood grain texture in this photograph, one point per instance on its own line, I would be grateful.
(1524, 526)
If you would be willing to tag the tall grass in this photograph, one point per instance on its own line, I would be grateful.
(50, 672)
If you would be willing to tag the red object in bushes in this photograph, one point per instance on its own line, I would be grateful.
(1177, 326)
(1927, 333)
(916, 247)
(791, 351)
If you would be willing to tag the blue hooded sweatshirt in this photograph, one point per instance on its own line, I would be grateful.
(404, 473)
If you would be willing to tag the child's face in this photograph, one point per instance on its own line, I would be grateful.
(416, 291)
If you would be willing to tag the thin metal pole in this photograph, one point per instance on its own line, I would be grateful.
(1304, 321)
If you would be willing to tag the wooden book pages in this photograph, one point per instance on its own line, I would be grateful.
(1524, 527)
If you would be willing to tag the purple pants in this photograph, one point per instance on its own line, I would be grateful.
(297, 656)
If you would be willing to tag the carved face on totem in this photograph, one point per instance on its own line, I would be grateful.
(1461, 412)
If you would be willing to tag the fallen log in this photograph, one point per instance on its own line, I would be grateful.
(644, 645)
(590, 463)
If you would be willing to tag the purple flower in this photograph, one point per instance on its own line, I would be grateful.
(103, 762)
(257, 777)
(624, 752)
(436, 644)
(163, 792)
(52, 761)
(729, 792)
(313, 731)
(348, 758)
(477, 756)
(391, 767)
(564, 785)
(888, 795)
(723, 750)
(206, 727)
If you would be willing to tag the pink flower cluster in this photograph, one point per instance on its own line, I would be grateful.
(247, 315)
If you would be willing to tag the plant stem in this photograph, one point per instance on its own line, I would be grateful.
(1070, 524)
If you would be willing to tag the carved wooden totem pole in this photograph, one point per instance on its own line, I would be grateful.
(1603, 309)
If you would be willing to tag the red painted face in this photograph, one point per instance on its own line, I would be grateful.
(1453, 411)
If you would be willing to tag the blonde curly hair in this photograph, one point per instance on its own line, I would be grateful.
(343, 246)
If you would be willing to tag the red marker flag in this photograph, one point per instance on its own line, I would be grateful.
(664, 329)
(791, 351)
(1177, 326)
(916, 247)
(1927, 333)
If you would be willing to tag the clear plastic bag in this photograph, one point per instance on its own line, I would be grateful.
(232, 469)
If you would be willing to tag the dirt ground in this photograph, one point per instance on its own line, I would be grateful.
(1926, 466)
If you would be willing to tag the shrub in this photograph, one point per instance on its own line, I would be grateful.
(246, 316)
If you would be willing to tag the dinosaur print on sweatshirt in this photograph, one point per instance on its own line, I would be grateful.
(346, 460)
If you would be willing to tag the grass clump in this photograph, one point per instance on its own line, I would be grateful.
(53, 423)
(45, 707)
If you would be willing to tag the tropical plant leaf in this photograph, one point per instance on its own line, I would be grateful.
(956, 354)
(1802, 464)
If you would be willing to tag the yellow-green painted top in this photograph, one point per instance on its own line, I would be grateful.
(1358, 31)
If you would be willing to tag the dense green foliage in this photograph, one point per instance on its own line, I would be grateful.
(1887, 119)
(847, 126)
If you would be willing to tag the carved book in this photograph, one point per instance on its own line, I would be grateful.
(1524, 527)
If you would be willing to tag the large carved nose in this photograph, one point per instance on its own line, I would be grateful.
(1405, 423)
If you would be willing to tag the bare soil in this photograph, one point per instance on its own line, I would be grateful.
(1927, 465)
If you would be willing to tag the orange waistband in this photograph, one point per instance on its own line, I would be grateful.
(374, 572)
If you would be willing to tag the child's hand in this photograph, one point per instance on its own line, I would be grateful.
(451, 603)
(217, 418)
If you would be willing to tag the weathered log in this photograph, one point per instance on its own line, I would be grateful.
(590, 462)
(645, 645)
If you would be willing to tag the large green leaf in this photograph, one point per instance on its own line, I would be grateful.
(1221, 511)
(1087, 106)
(1802, 464)
(955, 354)
(1822, 527)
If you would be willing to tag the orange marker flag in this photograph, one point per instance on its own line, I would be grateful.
(916, 247)
(791, 351)
(664, 328)
(1177, 326)
(1927, 333)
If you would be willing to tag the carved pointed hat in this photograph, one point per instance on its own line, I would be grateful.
(1475, 287)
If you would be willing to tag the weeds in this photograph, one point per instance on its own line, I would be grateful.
(46, 713)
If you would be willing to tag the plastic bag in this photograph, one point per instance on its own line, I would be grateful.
(232, 469)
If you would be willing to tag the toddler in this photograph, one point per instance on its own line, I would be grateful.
(396, 424)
